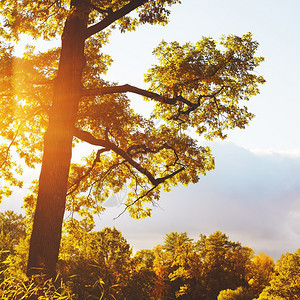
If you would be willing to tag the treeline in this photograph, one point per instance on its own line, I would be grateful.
(102, 265)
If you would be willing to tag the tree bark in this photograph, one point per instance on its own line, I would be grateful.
(53, 181)
(50, 207)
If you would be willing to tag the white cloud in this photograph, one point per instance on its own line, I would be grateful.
(252, 197)
(288, 153)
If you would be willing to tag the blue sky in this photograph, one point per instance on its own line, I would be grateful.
(253, 195)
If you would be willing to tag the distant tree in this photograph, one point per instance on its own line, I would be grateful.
(13, 225)
(143, 277)
(260, 273)
(13, 244)
(225, 264)
(173, 241)
(285, 284)
(5, 250)
(54, 99)
(12, 229)
(199, 270)
(180, 249)
(161, 266)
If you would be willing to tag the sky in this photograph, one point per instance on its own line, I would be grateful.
(253, 195)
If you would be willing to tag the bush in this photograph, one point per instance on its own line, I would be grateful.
(37, 287)
(241, 293)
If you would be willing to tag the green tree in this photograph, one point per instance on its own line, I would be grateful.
(96, 263)
(13, 225)
(285, 284)
(202, 269)
(54, 99)
(12, 231)
(225, 264)
(171, 265)
(181, 249)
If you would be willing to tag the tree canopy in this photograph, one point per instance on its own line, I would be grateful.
(52, 101)
(194, 85)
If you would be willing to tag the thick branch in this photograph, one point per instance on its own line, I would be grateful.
(89, 138)
(108, 145)
(137, 149)
(126, 88)
(162, 179)
(114, 16)
(135, 164)
(100, 9)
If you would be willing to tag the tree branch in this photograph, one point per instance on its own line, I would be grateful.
(90, 169)
(89, 138)
(85, 136)
(108, 145)
(108, 11)
(135, 164)
(193, 106)
(172, 101)
(114, 16)
(162, 179)
(126, 88)
(135, 201)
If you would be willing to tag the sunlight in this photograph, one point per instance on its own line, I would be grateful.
(39, 45)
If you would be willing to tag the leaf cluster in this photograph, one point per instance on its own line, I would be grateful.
(209, 83)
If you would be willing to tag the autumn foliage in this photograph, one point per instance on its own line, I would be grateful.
(56, 100)
(95, 264)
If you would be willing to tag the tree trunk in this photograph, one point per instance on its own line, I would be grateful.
(50, 207)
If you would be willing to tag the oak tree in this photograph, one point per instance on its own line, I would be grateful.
(53, 100)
